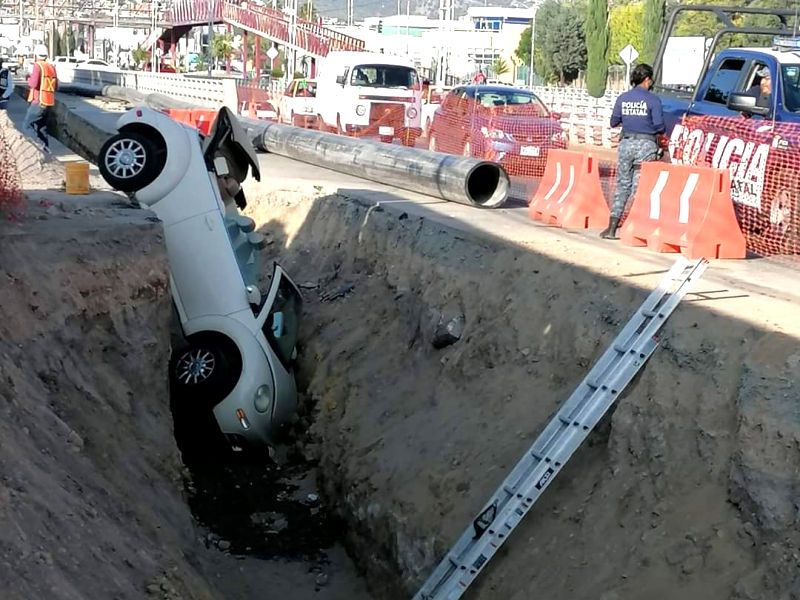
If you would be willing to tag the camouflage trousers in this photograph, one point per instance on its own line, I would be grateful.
(632, 152)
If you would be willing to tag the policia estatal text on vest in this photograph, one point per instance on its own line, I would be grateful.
(640, 113)
(42, 85)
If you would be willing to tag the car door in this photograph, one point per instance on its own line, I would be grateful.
(452, 135)
(279, 318)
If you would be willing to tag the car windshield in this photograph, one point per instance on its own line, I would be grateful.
(512, 101)
(306, 88)
(385, 76)
(791, 86)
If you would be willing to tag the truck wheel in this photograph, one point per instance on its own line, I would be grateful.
(129, 161)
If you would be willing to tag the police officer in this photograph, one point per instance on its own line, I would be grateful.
(640, 113)
(42, 85)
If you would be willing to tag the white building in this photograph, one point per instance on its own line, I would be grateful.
(476, 41)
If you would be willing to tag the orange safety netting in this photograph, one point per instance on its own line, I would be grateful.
(11, 197)
(763, 159)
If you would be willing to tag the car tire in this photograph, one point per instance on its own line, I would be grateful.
(130, 161)
(206, 367)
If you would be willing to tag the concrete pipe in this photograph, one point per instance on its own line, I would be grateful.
(466, 180)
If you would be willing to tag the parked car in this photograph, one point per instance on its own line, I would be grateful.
(508, 125)
(237, 356)
(298, 103)
(97, 64)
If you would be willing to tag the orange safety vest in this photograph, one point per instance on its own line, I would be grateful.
(47, 85)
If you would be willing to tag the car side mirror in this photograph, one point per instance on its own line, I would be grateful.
(745, 103)
(253, 295)
(340, 80)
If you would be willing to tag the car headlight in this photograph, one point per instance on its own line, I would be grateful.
(263, 398)
(361, 110)
(411, 112)
(496, 134)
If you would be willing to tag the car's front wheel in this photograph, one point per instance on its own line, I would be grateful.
(130, 161)
(207, 367)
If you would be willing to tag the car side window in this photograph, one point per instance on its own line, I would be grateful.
(724, 81)
(290, 89)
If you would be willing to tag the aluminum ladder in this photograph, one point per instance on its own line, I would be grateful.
(561, 437)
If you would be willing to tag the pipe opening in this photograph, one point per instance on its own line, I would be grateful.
(487, 185)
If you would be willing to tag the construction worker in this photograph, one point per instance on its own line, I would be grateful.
(42, 85)
(640, 113)
(6, 85)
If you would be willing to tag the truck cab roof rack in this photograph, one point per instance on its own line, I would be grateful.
(726, 14)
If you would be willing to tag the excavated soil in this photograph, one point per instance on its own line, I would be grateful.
(689, 490)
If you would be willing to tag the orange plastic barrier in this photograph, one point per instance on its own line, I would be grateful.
(203, 119)
(679, 208)
(182, 115)
(569, 194)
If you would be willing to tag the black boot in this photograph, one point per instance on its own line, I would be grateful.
(610, 233)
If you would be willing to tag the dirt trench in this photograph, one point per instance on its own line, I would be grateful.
(689, 490)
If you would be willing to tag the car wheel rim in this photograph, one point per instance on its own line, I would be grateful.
(125, 158)
(195, 366)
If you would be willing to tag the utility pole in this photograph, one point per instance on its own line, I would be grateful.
(533, 39)
(210, 35)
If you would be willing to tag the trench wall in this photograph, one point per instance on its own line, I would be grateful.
(687, 491)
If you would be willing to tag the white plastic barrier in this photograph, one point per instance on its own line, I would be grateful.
(585, 118)
(201, 91)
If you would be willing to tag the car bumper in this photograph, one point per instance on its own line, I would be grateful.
(239, 420)
(512, 159)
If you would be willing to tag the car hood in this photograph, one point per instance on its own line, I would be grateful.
(521, 125)
(227, 138)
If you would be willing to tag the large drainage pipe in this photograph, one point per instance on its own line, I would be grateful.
(454, 178)
(466, 180)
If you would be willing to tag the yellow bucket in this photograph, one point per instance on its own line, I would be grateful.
(77, 177)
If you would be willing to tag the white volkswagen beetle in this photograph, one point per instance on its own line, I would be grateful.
(239, 344)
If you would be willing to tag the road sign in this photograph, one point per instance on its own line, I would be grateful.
(272, 53)
(628, 54)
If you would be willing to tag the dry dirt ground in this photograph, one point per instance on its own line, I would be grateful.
(94, 500)
(689, 490)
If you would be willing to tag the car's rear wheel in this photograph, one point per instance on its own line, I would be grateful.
(206, 368)
(129, 161)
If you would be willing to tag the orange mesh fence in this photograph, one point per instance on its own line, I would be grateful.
(764, 163)
(11, 197)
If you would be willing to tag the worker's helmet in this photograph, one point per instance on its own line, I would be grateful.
(40, 51)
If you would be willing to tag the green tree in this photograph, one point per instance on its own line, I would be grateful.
(500, 67)
(625, 26)
(560, 44)
(653, 19)
(140, 55)
(597, 38)
(307, 12)
(222, 47)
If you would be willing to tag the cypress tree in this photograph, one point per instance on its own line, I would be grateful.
(597, 38)
(654, 11)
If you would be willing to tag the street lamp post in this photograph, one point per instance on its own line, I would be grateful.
(533, 39)
(210, 35)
